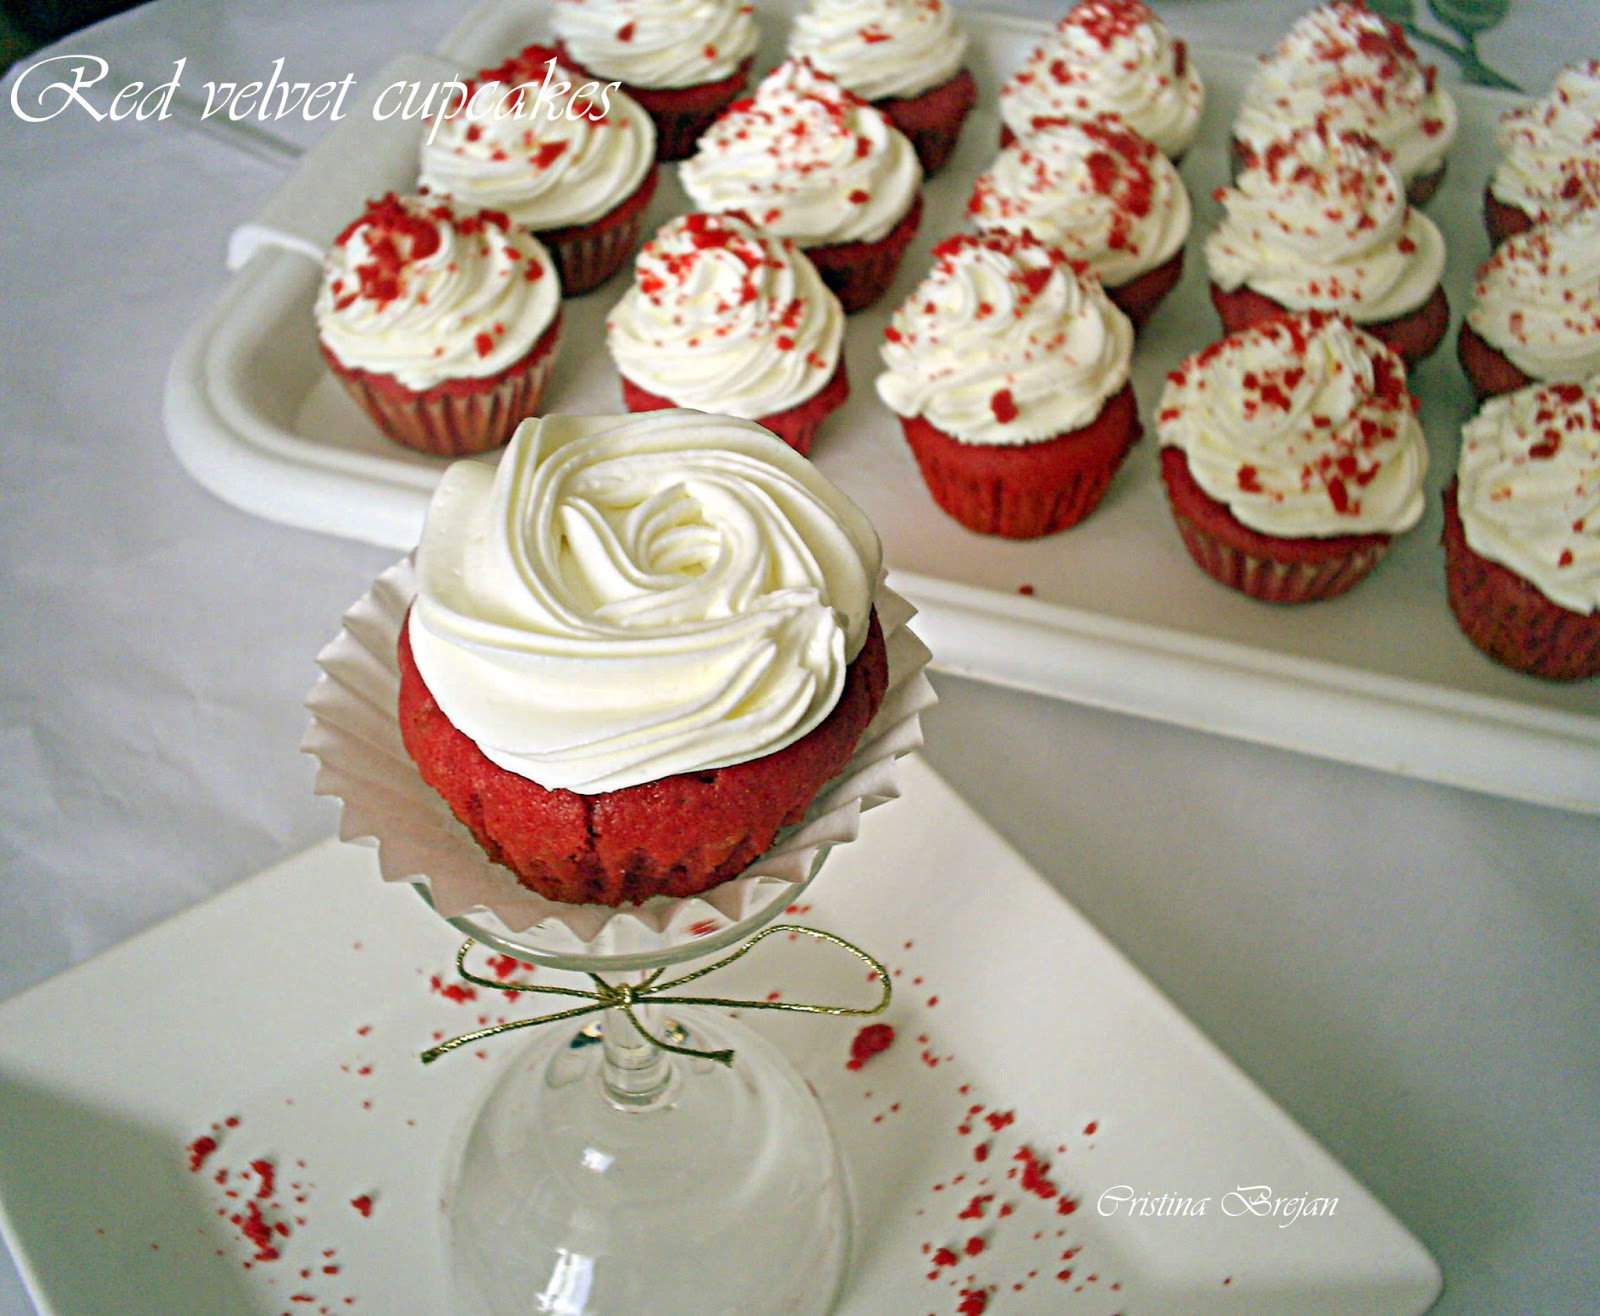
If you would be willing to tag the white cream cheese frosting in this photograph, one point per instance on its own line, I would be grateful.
(891, 48)
(1112, 57)
(546, 155)
(1102, 193)
(1302, 426)
(1537, 299)
(720, 317)
(1004, 342)
(1528, 488)
(1550, 148)
(1347, 66)
(626, 598)
(659, 44)
(423, 291)
(1320, 219)
(805, 159)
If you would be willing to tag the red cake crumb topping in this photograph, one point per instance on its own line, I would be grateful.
(870, 1041)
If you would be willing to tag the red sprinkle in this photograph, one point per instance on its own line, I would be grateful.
(362, 1205)
(867, 1043)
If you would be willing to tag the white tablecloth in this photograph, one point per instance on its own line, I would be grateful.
(1410, 970)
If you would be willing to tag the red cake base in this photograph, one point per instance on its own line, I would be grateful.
(932, 119)
(860, 272)
(1413, 335)
(797, 425)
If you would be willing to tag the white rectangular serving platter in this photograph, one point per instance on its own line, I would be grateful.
(295, 1006)
(1111, 613)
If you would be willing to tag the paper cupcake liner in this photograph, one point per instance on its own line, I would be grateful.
(362, 762)
(932, 119)
(1275, 581)
(859, 273)
(586, 255)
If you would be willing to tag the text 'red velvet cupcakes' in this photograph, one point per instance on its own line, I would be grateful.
(722, 318)
(807, 160)
(1319, 220)
(904, 56)
(639, 647)
(1292, 456)
(1549, 162)
(441, 323)
(683, 61)
(1522, 530)
(1008, 368)
(571, 161)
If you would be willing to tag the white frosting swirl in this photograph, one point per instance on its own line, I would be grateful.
(631, 597)
(1004, 342)
(1550, 148)
(658, 43)
(545, 155)
(1090, 186)
(1321, 220)
(892, 48)
(1528, 488)
(422, 291)
(1302, 426)
(1537, 299)
(722, 318)
(1354, 69)
(805, 159)
(1110, 57)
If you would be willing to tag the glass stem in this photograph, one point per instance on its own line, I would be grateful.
(638, 1074)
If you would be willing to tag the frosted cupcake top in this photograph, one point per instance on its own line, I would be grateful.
(625, 598)
(541, 142)
(1550, 148)
(892, 48)
(658, 43)
(426, 292)
(805, 159)
(722, 318)
(1005, 341)
(1320, 219)
(1112, 57)
(1353, 69)
(1528, 488)
(1102, 193)
(1537, 299)
(1302, 426)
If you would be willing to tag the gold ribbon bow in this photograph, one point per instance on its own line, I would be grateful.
(624, 996)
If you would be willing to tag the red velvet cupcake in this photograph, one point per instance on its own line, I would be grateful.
(442, 324)
(1291, 457)
(1008, 368)
(1549, 155)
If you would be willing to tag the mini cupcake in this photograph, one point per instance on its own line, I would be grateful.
(1346, 66)
(684, 61)
(722, 318)
(1101, 193)
(571, 161)
(1320, 220)
(807, 160)
(1008, 368)
(1522, 530)
(1535, 315)
(904, 56)
(1292, 456)
(1109, 57)
(639, 647)
(1549, 155)
(441, 323)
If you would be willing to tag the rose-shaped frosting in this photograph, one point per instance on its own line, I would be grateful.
(1005, 341)
(1104, 194)
(426, 292)
(895, 48)
(1343, 64)
(1110, 57)
(631, 597)
(722, 318)
(528, 143)
(1528, 488)
(658, 43)
(1537, 299)
(1550, 148)
(805, 159)
(1320, 219)
(1302, 426)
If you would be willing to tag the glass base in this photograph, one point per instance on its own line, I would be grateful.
(693, 1189)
